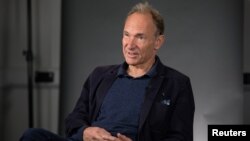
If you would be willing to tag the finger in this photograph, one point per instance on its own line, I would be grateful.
(96, 134)
(123, 137)
(105, 135)
(108, 138)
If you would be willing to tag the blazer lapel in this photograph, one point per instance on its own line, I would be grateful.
(151, 93)
(102, 90)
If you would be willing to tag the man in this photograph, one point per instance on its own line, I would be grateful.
(139, 100)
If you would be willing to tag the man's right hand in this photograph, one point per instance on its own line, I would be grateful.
(97, 134)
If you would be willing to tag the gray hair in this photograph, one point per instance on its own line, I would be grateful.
(147, 8)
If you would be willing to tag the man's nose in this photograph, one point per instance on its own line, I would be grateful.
(131, 43)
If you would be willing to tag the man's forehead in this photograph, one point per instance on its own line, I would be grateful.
(140, 18)
(138, 23)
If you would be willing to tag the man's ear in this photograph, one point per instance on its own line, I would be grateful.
(159, 41)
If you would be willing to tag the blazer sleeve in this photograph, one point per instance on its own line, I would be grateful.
(79, 117)
(82, 114)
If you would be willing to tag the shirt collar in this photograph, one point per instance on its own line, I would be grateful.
(122, 71)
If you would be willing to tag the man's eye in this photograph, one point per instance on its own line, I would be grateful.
(140, 37)
(125, 34)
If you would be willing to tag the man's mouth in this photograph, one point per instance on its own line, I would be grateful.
(132, 54)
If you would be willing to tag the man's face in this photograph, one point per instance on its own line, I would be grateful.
(139, 41)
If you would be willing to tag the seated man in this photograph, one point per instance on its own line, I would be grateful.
(138, 100)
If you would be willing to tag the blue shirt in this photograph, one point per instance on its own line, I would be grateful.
(120, 110)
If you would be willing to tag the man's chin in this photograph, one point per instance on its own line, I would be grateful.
(132, 63)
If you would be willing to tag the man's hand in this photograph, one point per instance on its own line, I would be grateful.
(98, 134)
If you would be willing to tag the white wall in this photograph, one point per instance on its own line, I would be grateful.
(246, 59)
(204, 41)
(46, 46)
(13, 94)
(13, 75)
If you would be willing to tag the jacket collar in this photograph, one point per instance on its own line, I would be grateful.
(122, 71)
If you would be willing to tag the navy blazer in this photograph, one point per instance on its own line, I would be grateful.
(167, 111)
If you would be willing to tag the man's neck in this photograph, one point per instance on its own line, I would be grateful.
(140, 70)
